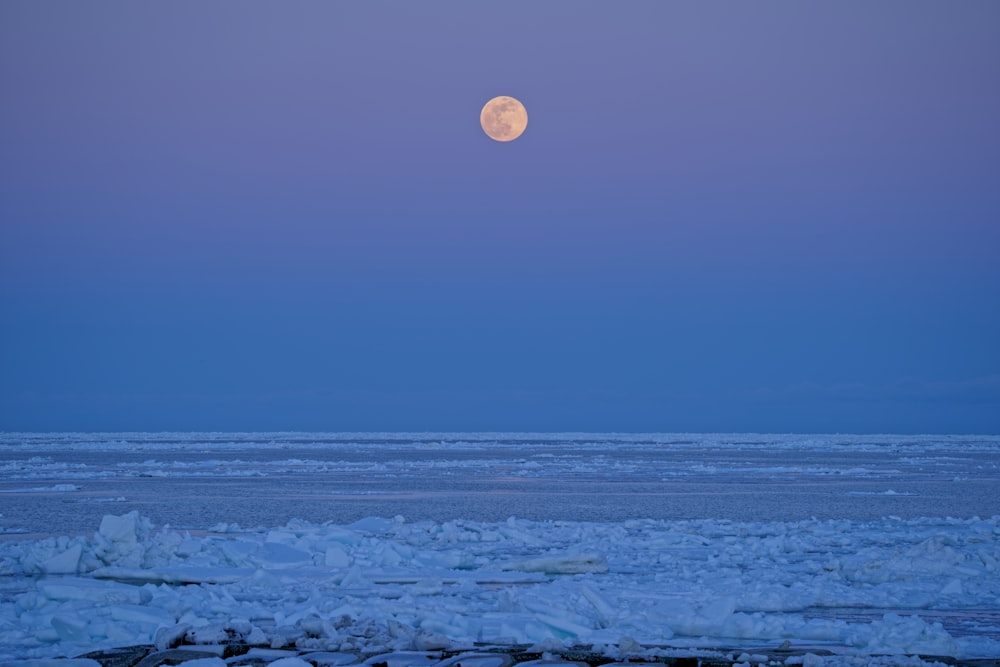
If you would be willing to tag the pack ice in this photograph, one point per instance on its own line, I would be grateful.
(388, 584)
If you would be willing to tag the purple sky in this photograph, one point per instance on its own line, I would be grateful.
(772, 216)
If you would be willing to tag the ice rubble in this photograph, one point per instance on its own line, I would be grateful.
(399, 585)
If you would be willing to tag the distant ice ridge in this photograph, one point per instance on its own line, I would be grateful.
(55, 488)
(577, 463)
(61, 442)
(392, 584)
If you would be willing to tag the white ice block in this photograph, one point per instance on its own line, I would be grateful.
(142, 614)
(65, 563)
(290, 662)
(275, 555)
(71, 627)
(96, 592)
(336, 557)
(204, 662)
(126, 529)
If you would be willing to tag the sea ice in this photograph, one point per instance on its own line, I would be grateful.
(394, 585)
(856, 583)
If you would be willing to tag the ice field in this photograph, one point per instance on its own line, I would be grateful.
(371, 542)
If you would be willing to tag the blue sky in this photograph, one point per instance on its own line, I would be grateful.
(721, 217)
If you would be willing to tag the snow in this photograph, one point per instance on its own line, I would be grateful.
(894, 585)
(683, 583)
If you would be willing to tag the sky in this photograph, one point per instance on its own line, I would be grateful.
(773, 216)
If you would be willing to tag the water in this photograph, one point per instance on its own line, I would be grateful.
(198, 481)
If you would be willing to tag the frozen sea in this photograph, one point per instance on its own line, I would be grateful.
(862, 545)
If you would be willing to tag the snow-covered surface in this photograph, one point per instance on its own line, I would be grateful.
(64, 483)
(897, 584)
(392, 583)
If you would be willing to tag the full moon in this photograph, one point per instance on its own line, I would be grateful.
(503, 118)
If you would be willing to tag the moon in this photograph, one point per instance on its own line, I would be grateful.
(503, 118)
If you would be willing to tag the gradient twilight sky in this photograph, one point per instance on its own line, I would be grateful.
(772, 216)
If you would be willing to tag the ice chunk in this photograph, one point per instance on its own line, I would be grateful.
(206, 662)
(954, 587)
(588, 563)
(627, 645)
(170, 637)
(336, 557)
(126, 529)
(175, 575)
(53, 662)
(142, 614)
(430, 641)
(290, 662)
(404, 659)
(65, 563)
(717, 611)
(331, 659)
(188, 547)
(896, 634)
(479, 660)
(71, 627)
(238, 552)
(93, 591)
(372, 524)
(278, 556)
(808, 660)
(604, 610)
